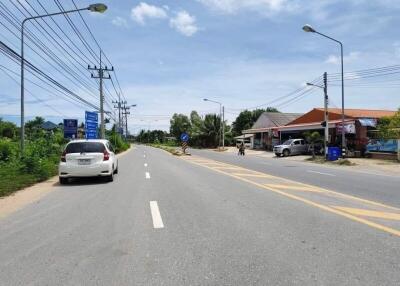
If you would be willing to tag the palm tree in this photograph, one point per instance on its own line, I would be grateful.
(312, 138)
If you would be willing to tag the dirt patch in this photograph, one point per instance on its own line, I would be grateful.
(26, 196)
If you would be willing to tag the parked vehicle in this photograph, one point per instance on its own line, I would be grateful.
(291, 147)
(88, 158)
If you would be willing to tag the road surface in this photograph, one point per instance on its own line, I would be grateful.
(206, 219)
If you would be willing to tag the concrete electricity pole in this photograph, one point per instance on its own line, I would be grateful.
(325, 124)
(326, 114)
(119, 107)
(126, 112)
(101, 76)
(223, 127)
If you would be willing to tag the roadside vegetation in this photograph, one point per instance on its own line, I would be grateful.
(41, 157)
(204, 131)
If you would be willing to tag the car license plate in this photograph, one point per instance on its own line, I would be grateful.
(84, 162)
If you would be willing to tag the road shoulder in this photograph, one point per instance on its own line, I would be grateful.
(32, 194)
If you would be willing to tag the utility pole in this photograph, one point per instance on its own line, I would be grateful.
(223, 127)
(119, 106)
(326, 117)
(126, 112)
(101, 76)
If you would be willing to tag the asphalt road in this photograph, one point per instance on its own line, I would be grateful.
(372, 185)
(167, 220)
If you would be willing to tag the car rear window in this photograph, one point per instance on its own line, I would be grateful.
(85, 147)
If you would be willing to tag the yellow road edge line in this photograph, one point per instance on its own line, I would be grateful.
(323, 207)
(369, 213)
(294, 188)
(251, 175)
(326, 190)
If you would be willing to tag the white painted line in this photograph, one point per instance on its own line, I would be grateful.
(155, 214)
(145, 164)
(144, 156)
(147, 175)
(326, 174)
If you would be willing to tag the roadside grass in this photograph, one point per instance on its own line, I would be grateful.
(13, 177)
(39, 163)
(340, 162)
(173, 150)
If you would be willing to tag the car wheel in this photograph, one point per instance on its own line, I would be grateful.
(286, 153)
(110, 178)
(62, 180)
(116, 171)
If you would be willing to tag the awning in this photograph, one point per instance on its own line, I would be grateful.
(244, 136)
(372, 122)
(311, 126)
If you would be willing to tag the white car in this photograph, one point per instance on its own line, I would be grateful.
(88, 158)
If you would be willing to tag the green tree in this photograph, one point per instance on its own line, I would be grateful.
(389, 127)
(178, 124)
(211, 130)
(7, 129)
(312, 138)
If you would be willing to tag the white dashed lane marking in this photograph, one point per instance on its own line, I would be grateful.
(147, 175)
(326, 174)
(155, 214)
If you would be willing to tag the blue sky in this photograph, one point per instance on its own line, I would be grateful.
(169, 55)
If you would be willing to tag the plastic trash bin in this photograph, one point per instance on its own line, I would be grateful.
(333, 153)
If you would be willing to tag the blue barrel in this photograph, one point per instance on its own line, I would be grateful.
(333, 153)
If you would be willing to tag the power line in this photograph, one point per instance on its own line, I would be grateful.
(29, 92)
(39, 44)
(14, 55)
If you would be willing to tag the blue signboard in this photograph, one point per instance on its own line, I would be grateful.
(381, 145)
(70, 128)
(184, 137)
(91, 123)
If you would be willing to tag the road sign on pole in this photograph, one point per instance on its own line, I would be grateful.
(91, 124)
(70, 128)
(184, 137)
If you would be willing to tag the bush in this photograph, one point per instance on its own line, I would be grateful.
(8, 150)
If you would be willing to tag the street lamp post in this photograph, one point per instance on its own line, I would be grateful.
(309, 29)
(222, 125)
(99, 8)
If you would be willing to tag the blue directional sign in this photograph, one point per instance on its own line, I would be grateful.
(184, 137)
(91, 123)
(70, 128)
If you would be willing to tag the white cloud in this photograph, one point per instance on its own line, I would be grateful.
(351, 57)
(184, 23)
(144, 10)
(119, 22)
(262, 6)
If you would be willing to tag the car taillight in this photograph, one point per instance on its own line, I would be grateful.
(106, 156)
(62, 159)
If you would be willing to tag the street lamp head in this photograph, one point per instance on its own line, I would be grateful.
(308, 28)
(99, 8)
(205, 99)
(309, 84)
(133, 105)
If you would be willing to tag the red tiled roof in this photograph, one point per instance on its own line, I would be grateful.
(360, 113)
